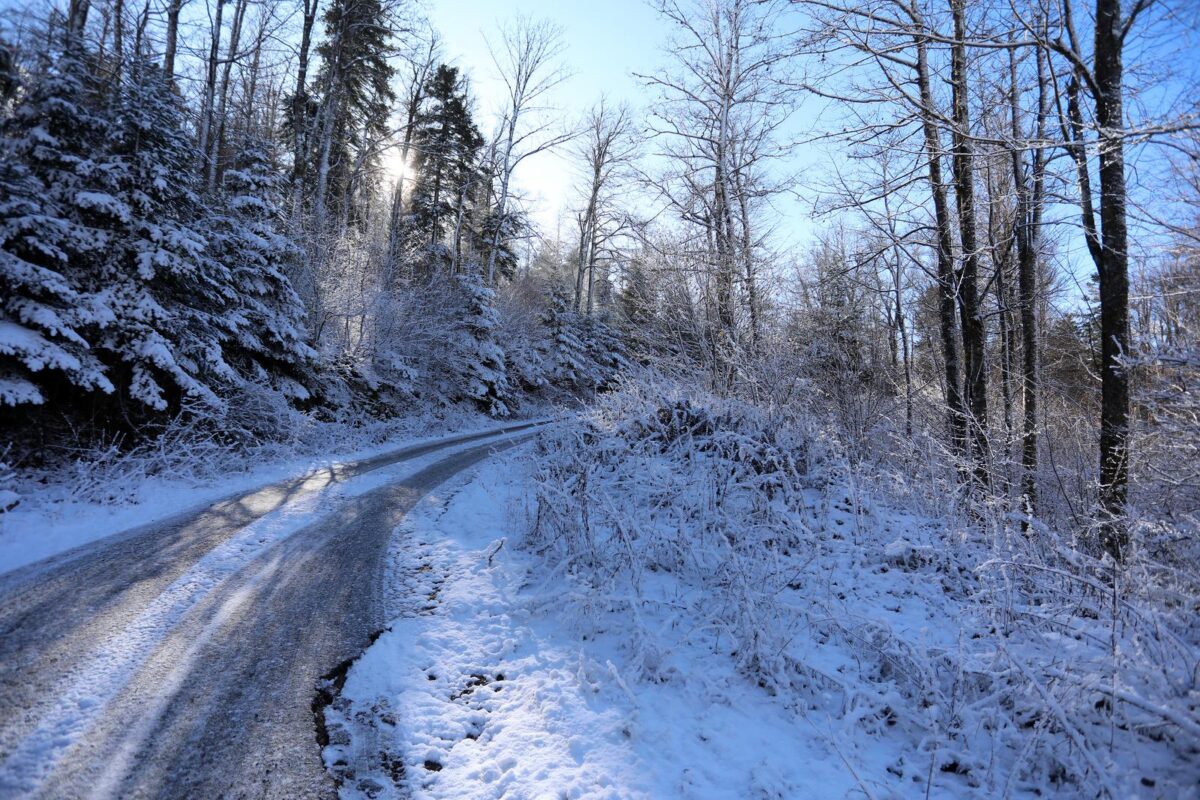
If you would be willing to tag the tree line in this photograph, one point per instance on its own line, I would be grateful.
(203, 198)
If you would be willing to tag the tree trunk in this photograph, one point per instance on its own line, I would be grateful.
(251, 96)
(118, 39)
(1114, 279)
(173, 8)
(973, 331)
(415, 98)
(1028, 233)
(591, 272)
(77, 14)
(587, 227)
(506, 168)
(210, 89)
(214, 150)
(947, 292)
(752, 300)
(300, 110)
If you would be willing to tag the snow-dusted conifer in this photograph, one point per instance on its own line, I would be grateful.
(267, 340)
(478, 366)
(605, 349)
(168, 297)
(43, 167)
(567, 354)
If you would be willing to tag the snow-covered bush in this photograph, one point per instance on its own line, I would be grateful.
(658, 480)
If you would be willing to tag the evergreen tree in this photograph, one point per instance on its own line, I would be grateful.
(43, 168)
(356, 98)
(268, 339)
(167, 296)
(446, 143)
(605, 349)
(567, 355)
(511, 225)
(477, 361)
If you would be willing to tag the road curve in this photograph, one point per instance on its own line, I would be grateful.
(222, 704)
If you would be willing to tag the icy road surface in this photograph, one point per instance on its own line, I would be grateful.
(181, 660)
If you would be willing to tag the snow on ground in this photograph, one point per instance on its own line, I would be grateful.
(52, 519)
(484, 687)
(517, 666)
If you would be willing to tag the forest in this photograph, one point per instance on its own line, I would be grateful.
(853, 304)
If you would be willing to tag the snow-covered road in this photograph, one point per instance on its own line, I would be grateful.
(181, 659)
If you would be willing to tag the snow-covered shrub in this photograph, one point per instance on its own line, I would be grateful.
(662, 481)
(9, 497)
(581, 353)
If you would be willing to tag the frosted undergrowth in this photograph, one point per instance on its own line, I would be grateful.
(966, 656)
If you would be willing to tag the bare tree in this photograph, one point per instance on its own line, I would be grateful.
(886, 46)
(719, 119)
(527, 61)
(974, 334)
(210, 87)
(1027, 230)
(216, 126)
(605, 151)
(1100, 75)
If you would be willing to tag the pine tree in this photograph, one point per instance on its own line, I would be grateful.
(43, 166)
(511, 225)
(605, 349)
(167, 296)
(567, 355)
(447, 144)
(356, 98)
(267, 339)
(477, 361)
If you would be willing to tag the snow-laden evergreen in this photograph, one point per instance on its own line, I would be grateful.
(119, 277)
(169, 297)
(46, 312)
(582, 353)
(268, 339)
(476, 360)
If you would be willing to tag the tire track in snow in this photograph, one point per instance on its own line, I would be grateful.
(90, 684)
